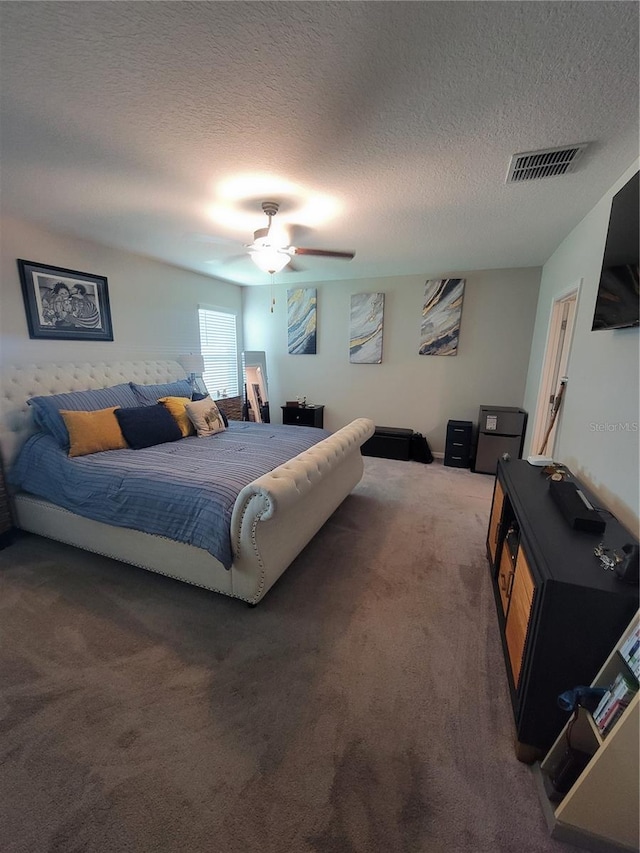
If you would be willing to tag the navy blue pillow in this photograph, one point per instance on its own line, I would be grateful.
(145, 426)
(198, 396)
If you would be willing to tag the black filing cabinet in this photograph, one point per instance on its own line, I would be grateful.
(457, 451)
(312, 416)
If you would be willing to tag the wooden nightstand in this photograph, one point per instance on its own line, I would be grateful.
(312, 416)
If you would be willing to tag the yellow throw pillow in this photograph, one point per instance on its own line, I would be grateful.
(93, 432)
(177, 407)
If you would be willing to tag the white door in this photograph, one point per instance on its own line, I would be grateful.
(555, 369)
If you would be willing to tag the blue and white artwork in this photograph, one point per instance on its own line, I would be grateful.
(365, 328)
(301, 321)
(441, 314)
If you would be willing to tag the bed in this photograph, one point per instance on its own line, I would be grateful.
(272, 519)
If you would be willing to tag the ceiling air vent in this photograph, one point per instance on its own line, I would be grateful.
(533, 165)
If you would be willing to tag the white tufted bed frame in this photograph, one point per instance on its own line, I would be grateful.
(273, 518)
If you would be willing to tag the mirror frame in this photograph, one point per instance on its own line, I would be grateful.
(255, 405)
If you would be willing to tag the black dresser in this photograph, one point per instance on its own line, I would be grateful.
(312, 416)
(560, 612)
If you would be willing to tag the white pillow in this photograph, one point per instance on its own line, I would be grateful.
(205, 416)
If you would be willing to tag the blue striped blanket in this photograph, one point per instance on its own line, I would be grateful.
(184, 490)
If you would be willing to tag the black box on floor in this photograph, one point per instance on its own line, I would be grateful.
(389, 443)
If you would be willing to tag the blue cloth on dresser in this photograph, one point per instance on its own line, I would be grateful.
(184, 490)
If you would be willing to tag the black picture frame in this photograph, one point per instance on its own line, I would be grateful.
(65, 304)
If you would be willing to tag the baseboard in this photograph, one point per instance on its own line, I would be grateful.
(437, 454)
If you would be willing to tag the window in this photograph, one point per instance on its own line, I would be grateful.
(219, 348)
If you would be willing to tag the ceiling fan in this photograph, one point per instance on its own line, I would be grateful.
(270, 252)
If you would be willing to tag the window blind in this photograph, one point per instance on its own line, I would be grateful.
(219, 348)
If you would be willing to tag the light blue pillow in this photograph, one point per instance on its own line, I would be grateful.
(148, 395)
(46, 410)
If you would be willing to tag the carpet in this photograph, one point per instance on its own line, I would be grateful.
(361, 707)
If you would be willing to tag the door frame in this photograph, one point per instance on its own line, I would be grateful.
(553, 354)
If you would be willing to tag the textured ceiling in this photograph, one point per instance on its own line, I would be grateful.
(381, 127)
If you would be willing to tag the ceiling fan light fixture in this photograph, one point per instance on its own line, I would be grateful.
(270, 259)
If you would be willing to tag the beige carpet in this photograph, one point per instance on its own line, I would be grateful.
(362, 707)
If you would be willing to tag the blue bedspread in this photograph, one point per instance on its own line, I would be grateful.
(184, 490)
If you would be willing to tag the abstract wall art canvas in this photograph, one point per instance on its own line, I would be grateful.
(441, 314)
(365, 329)
(301, 321)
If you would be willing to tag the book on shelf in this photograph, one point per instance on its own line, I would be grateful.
(630, 651)
(612, 716)
(613, 703)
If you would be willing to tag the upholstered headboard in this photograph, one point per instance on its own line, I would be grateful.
(20, 382)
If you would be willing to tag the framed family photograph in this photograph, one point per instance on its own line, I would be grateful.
(65, 304)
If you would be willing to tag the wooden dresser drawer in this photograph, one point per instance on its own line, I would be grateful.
(505, 577)
(519, 613)
(494, 523)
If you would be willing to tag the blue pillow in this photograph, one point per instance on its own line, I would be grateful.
(46, 410)
(148, 395)
(144, 426)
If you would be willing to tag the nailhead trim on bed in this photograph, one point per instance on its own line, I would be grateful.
(254, 543)
(94, 550)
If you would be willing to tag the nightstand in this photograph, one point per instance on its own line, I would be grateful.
(312, 416)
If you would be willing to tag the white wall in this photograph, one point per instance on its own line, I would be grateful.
(407, 389)
(154, 306)
(603, 372)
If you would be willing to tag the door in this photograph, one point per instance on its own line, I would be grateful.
(555, 368)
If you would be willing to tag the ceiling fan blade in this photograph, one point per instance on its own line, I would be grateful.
(211, 238)
(292, 266)
(298, 233)
(232, 259)
(324, 253)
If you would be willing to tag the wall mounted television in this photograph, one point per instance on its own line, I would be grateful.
(618, 293)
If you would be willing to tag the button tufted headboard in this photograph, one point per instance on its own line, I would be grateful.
(20, 382)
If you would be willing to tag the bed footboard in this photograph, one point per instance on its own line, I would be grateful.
(275, 516)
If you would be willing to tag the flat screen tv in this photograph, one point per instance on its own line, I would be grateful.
(618, 293)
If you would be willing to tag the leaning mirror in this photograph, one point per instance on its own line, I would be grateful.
(256, 391)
